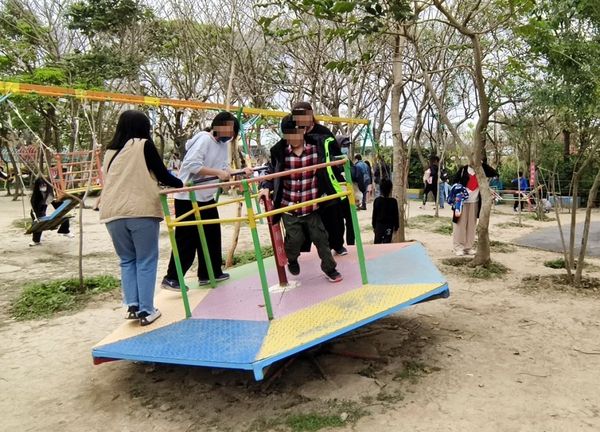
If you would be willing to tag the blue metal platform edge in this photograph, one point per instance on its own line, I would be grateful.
(258, 367)
(102, 355)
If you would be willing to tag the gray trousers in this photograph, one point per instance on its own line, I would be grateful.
(295, 228)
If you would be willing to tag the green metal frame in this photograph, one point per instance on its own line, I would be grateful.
(252, 222)
(358, 239)
(175, 249)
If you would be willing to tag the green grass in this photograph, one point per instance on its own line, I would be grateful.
(492, 270)
(328, 416)
(559, 263)
(249, 256)
(45, 299)
(501, 247)
(24, 223)
(411, 371)
(513, 225)
(439, 225)
(443, 229)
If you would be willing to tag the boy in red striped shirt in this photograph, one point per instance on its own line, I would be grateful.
(293, 152)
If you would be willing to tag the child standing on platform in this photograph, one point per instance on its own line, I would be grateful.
(385, 219)
(290, 153)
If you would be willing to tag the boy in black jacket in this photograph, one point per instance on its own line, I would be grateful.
(332, 212)
(290, 153)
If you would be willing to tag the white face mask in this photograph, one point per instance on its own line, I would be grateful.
(345, 150)
(43, 188)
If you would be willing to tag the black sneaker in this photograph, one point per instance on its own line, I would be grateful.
(170, 284)
(132, 312)
(294, 267)
(222, 277)
(334, 276)
(148, 318)
(342, 251)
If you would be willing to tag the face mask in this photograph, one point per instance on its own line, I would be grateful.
(223, 139)
(43, 188)
(345, 150)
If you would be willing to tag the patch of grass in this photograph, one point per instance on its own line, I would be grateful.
(312, 422)
(439, 225)
(411, 371)
(513, 225)
(457, 262)
(491, 270)
(443, 229)
(559, 263)
(544, 218)
(332, 414)
(23, 224)
(590, 286)
(249, 256)
(44, 299)
(501, 247)
(390, 397)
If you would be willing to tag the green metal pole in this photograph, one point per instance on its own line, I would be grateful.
(183, 287)
(243, 137)
(257, 251)
(209, 267)
(359, 246)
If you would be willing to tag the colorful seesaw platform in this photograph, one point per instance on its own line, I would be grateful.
(229, 328)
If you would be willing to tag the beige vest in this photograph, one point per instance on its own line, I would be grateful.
(130, 190)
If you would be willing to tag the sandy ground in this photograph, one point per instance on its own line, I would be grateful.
(489, 358)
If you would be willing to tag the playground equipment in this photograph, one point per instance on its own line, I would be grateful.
(258, 316)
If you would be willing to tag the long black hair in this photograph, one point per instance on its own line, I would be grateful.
(38, 197)
(131, 124)
(223, 118)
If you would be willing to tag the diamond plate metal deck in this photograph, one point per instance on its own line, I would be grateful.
(221, 343)
(347, 311)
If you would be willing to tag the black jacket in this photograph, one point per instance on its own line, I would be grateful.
(462, 177)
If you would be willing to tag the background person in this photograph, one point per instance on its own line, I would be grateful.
(42, 195)
(385, 219)
(464, 226)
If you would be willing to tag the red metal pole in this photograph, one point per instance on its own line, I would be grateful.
(277, 242)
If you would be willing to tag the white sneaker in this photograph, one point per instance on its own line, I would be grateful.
(35, 243)
(459, 252)
(470, 251)
(68, 235)
(148, 318)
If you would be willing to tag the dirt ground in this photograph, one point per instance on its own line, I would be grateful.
(489, 358)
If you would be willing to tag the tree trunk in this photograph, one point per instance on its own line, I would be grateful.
(399, 152)
(586, 228)
(566, 144)
(482, 256)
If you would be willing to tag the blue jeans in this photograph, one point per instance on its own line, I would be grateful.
(136, 243)
(442, 193)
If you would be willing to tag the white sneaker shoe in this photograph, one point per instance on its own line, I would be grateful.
(35, 244)
(470, 251)
(68, 235)
(148, 318)
(459, 252)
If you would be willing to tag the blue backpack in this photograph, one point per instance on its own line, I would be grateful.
(456, 197)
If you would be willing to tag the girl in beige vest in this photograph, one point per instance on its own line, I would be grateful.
(131, 210)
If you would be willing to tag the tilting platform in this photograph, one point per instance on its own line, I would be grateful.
(229, 327)
(55, 219)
